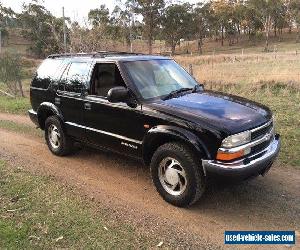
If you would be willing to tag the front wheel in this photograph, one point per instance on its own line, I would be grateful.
(177, 174)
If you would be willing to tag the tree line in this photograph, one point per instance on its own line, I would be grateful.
(171, 21)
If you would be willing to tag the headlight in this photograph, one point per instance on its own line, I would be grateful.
(237, 140)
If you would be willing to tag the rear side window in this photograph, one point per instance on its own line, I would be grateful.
(74, 77)
(47, 72)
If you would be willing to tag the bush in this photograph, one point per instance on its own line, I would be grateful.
(11, 73)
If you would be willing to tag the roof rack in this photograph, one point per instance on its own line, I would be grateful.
(101, 54)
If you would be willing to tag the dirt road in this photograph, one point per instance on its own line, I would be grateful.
(125, 187)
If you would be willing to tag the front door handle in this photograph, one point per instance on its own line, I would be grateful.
(57, 100)
(87, 106)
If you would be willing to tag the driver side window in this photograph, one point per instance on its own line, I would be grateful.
(105, 76)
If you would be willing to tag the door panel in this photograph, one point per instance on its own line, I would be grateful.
(114, 126)
(69, 97)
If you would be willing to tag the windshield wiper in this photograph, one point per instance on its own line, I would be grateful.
(176, 92)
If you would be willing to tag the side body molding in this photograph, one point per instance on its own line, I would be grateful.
(46, 109)
(164, 133)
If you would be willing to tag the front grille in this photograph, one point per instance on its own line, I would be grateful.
(261, 132)
(260, 147)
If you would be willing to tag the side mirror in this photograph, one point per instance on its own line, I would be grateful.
(118, 94)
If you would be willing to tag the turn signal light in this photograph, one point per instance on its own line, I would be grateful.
(226, 156)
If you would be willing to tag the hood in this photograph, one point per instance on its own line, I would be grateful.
(232, 113)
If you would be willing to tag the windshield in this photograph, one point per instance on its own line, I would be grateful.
(158, 78)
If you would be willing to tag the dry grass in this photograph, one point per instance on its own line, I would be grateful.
(249, 69)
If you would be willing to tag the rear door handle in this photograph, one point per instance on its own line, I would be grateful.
(87, 106)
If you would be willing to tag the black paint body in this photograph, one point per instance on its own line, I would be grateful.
(202, 119)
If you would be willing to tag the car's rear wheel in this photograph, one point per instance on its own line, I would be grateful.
(177, 174)
(57, 140)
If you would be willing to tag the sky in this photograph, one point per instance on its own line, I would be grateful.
(77, 10)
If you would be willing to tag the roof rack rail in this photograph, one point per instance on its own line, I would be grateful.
(71, 55)
(114, 53)
(102, 54)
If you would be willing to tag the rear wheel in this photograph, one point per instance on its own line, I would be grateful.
(177, 174)
(57, 140)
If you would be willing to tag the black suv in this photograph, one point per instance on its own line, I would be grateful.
(150, 108)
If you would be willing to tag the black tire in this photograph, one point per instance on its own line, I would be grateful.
(65, 145)
(194, 176)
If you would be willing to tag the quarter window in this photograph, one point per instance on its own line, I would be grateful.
(47, 73)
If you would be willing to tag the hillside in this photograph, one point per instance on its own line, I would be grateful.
(284, 43)
(16, 43)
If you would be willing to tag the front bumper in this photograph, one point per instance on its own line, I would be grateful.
(33, 117)
(248, 167)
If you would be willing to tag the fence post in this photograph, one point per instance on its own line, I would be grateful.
(212, 63)
(191, 70)
(0, 41)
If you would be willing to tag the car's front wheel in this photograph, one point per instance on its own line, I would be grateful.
(57, 140)
(177, 174)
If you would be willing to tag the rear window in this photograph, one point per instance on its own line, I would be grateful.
(47, 72)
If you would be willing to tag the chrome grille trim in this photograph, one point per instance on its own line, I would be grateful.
(261, 127)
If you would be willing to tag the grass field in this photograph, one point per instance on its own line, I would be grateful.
(37, 212)
(21, 128)
(14, 105)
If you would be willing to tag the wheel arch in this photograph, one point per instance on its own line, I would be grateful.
(45, 110)
(160, 135)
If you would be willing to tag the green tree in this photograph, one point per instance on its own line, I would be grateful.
(279, 16)
(204, 21)
(176, 23)
(295, 7)
(43, 29)
(239, 13)
(151, 11)
(263, 9)
(223, 15)
(100, 16)
(122, 24)
(6, 15)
